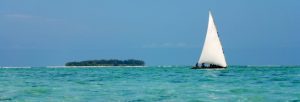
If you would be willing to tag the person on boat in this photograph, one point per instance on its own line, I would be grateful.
(197, 65)
(202, 65)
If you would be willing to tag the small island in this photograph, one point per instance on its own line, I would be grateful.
(110, 62)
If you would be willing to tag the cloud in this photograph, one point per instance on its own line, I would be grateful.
(19, 16)
(28, 17)
(169, 45)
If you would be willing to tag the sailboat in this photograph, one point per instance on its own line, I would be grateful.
(212, 55)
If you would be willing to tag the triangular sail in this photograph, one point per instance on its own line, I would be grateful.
(212, 52)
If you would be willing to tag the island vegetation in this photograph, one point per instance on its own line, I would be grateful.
(110, 62)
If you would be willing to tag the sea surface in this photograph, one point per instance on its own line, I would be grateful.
(144, 84)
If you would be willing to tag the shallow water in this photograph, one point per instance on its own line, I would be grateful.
(236, 83)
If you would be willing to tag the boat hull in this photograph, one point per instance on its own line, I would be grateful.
(208, 67)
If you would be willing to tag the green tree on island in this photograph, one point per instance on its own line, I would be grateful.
(111, 62)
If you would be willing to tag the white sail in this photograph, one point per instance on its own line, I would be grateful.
(212, 52)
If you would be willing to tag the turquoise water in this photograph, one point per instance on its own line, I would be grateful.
(237, 83)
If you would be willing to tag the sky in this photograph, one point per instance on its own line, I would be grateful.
(160, 32)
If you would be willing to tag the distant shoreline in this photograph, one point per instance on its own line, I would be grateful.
(105, 62)
(167, 66)
(89, 66)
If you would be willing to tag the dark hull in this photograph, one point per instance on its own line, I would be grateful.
(208, 67)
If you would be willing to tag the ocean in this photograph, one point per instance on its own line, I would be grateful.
(157, 83)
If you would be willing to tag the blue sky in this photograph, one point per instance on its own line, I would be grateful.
(161, 32)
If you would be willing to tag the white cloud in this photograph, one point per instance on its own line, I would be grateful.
(28, 17)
